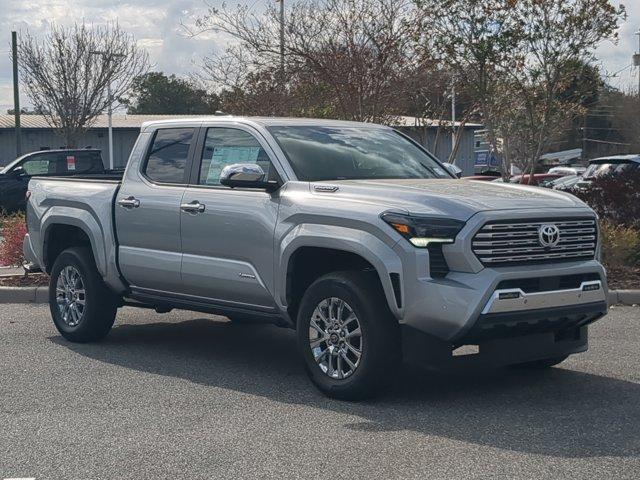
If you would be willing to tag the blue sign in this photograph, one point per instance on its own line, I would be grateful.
(482, 159)
(486, 159)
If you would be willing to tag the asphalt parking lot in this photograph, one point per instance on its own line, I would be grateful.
(185, 395)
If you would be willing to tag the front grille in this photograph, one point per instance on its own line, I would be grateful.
(506, 243)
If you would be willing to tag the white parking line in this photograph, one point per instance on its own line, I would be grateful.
(30, 478)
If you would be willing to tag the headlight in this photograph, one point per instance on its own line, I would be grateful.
(424, 231)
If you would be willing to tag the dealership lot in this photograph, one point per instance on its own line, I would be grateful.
(184, 395)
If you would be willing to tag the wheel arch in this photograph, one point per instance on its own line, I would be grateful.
(68, 230)
(319, 249)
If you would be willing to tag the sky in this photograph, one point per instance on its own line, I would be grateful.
(157, 27)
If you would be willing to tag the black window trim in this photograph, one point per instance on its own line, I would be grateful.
(194, 178)
(189, 159)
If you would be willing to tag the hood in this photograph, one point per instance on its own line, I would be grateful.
(454, 198)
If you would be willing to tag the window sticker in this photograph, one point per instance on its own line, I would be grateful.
(71, 162)
(223, 156)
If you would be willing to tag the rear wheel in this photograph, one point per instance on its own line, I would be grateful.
(82, 307)
(347, 335)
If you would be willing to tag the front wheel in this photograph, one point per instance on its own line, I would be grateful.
(82, 307)
(347, 335)
(541, 364)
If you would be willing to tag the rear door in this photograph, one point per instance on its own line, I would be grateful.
(148, 211)
(227, 244)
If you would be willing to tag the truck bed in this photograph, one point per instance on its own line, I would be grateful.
(82, 200)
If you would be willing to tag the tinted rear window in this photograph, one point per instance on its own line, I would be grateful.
(167, 159)
(63, 163)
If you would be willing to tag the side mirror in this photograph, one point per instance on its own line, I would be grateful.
(18, 172)
(246, 175)
(453, 169)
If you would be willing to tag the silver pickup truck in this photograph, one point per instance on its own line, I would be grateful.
(351, 234)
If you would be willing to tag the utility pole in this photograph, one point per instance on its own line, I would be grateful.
(281, 41)
(453, 117)
(636, 61)
(16, 92)
(109, 56)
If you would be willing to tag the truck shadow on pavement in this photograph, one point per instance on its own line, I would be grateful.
(558, 412)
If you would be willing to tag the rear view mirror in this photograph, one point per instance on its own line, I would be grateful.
(246, 175)
(453, 169)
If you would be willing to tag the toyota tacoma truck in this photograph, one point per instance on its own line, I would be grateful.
(350, 233)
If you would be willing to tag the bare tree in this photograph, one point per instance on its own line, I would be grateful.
(558, 37)
(67, 81)
(356, 52)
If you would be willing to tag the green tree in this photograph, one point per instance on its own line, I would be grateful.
(155, 93)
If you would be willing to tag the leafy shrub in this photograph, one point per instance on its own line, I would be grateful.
(616, 199)
(14, 228)
(620, 245)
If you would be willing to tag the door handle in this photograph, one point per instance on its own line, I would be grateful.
(193, 207)
(129, 202)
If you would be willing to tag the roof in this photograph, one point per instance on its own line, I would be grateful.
(262, 121)
(136, 121)
(563, 156)
(634, 157)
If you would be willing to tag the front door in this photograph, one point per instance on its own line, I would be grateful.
(227, 239)
(148, 212)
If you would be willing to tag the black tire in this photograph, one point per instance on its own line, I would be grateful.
(99, 311)
(380, 344)
(541, 364)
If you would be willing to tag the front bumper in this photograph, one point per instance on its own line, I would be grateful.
(451, 307)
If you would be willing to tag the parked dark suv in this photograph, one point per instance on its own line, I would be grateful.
(15, 177)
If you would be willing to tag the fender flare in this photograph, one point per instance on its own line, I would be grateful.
(83, 220)
(383, 258)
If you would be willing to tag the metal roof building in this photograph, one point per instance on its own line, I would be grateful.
(38, 135)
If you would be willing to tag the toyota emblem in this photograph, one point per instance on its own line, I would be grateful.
(548, 235)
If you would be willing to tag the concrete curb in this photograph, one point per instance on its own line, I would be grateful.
(624, 297)
(41, 295)
(24, 294)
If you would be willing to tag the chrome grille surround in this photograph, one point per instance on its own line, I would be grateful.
(504, 243)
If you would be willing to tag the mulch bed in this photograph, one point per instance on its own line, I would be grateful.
(33, 280)
(620, 278)
(623, 278)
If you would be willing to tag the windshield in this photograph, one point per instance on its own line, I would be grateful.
(10, 166)
(601, 169)
(319, 153)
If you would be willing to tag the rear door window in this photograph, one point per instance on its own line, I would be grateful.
(167, 158)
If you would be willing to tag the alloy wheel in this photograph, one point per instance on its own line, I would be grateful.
(335, 338)
(70, 296)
